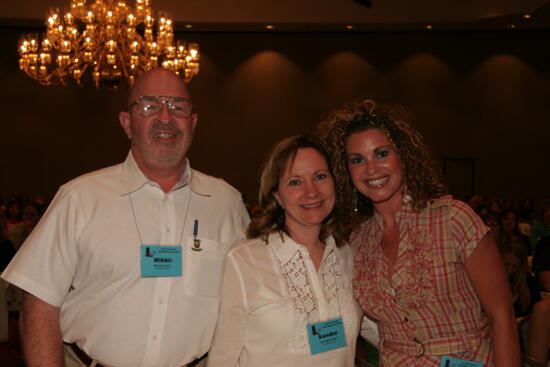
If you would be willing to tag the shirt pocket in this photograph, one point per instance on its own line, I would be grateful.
(203, 267)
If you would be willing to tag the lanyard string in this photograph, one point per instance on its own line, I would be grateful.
(300, 296)
(184, 220)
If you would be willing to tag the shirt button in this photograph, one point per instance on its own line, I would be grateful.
(395, 300)
(161, 301)
(406, 319)
(168, 229)
(155, 337)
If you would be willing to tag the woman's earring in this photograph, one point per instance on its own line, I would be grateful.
(281, 218)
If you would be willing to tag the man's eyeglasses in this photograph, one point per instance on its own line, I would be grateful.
(151, 105)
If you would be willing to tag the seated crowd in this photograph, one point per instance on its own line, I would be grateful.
(523, 237)
(18, 217)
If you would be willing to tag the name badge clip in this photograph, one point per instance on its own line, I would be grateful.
(196, 241)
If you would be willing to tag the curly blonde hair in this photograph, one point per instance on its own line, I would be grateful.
(421, 173)
(271, 217)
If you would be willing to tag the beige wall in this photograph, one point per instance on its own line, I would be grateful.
(475, 95)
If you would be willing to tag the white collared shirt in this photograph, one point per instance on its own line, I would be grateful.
(270, 292)
(84, 257)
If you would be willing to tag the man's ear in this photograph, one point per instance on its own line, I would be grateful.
(126, 122)
(194, 120)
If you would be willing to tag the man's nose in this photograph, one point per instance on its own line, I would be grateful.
(164, 114)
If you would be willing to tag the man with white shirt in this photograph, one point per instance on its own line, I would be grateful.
(124, 269)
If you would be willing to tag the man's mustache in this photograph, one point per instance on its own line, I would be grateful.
(170, 128)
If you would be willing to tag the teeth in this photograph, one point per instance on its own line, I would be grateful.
(378, 182)
(311, 205)
(164, 136)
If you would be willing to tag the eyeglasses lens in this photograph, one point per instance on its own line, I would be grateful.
(151, 105)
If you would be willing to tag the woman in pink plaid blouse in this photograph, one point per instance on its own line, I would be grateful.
(426, 268)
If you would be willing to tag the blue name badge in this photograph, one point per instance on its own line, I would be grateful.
(326, 335)
(455, 362)
(160, 261)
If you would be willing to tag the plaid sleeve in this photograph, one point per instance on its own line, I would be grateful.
(467, 228)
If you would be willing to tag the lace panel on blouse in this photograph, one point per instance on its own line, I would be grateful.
(304, 306)
(299, 289)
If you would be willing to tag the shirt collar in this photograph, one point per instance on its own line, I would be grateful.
(196, 181)
(404, 214)
(285, 247)
(134, 179)
(407, 213)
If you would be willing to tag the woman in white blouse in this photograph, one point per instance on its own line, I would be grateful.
(286, 297)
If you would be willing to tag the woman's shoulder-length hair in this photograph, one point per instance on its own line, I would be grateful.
(271, 216)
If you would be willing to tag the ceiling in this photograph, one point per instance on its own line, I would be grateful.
(321, 15)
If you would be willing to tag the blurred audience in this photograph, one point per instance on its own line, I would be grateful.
(7, 251)
(19, 216)
(491, 221)
(13, 218)
(541, 264)
(532, 312)
(527, 209)
(523, 285)
(32, 212)
(484, 211)
(509, 226)
(495, 206)
(541, 228)
(475, 202)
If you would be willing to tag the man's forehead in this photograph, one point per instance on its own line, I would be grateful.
(159, 83)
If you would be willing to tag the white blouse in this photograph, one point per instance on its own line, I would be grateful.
(270, 292)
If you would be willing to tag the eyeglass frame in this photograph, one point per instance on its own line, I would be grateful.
(163, 100)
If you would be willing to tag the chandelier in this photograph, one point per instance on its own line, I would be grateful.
(106, 40)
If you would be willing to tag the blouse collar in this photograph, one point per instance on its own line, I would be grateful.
(285, 247)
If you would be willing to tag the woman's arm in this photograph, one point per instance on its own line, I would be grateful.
(486, 271)
(538, 339)
(231, 327)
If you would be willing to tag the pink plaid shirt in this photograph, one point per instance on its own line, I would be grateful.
(428, 308)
